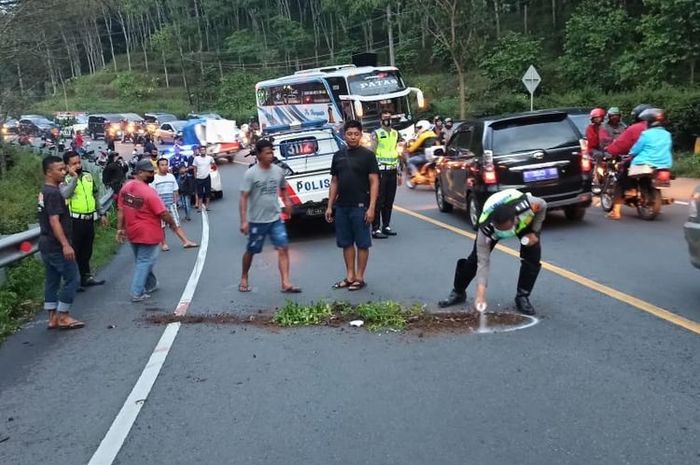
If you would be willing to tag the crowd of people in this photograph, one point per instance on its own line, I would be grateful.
(360, 201)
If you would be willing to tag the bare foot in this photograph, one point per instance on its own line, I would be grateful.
(65, 321)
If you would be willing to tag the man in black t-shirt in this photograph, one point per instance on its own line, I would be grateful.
(56, 250)
(352, 201)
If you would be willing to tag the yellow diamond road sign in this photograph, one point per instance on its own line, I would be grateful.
(531, 79)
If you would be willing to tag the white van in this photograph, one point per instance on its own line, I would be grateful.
(305, 152)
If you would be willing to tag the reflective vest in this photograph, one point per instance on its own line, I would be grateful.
(386, 151)
(523, 211)
(83, 199)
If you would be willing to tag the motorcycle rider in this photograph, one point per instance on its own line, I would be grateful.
(438, 127)
(506, 214)
(426, 138)
(596, 133)
(654, 147)
(447, 132)
(614, 126)
(622, 146)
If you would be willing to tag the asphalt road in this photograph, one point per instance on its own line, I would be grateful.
(596, 381)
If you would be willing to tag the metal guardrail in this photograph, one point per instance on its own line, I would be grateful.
(15, 247)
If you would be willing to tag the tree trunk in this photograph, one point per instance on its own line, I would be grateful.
(108, 24)
(497, 12)
(99, 42)
(554, 14)
(693, 62)
(201, 37)
(125, 32)
(525, 18)
(19, 80)
(165, 67)
(144, 44)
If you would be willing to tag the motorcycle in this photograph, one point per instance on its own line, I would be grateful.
(426, 174)
(642, 191)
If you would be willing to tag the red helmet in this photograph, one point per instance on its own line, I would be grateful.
(597, 113)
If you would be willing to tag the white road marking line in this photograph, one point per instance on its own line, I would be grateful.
(678, 202)
(115, 437)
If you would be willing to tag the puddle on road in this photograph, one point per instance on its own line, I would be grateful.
(427, 324)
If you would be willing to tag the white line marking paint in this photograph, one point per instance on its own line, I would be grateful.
(115, 437)
(678, 202)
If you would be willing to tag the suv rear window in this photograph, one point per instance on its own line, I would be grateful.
(533, 133)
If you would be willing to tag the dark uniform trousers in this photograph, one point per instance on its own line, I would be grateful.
(530, 266)
(385, 200)
(82, 238)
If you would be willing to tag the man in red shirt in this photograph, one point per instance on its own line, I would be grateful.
(623, 144)
(595, 132)
(139, 220)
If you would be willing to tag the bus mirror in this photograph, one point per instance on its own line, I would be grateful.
(421, 99)
(359, 111)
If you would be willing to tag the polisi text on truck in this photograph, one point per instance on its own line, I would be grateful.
(316, 184)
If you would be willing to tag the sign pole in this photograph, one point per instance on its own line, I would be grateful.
(532, 101)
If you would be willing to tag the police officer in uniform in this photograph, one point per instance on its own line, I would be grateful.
(385, 141)
(80, 191)
(506, 214)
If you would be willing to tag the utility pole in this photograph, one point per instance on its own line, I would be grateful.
(392, 59)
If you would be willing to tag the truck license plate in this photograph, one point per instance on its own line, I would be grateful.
(318, 211)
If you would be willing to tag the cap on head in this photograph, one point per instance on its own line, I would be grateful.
(145, 165)
(614, 111)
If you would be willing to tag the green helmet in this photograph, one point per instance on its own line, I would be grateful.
(614, 111)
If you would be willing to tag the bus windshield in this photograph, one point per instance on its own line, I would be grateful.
(294, 94)
(375, 83)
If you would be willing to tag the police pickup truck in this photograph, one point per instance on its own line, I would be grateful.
(305, 153)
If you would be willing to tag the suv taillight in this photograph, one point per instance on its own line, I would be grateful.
(586, 165)
(488, 172)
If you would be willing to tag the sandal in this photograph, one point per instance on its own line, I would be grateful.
(342, 284)
(357, 285)
(242, 288)
(291, 290)
(190, 246)
(165, 249)
(72, 325)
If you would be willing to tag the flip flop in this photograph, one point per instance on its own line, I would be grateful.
(73, 325)
(242, 288)
(190, 246)
(165, 249)
(342, 284)
(357, 285)
(291, 290)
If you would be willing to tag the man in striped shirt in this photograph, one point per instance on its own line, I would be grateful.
(166, 185)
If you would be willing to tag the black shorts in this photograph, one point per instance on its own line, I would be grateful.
(204, 188)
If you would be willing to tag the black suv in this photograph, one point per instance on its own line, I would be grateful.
(98, 123)
(537, 152)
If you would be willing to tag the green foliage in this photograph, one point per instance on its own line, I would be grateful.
(687, 165)
(596, 35)
(133, 86)
(386, 315)
(295, 314)
(21, 295)
(510, 57)
(236, 96)
(19, 190)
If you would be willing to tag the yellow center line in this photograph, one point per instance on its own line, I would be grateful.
(640, 304)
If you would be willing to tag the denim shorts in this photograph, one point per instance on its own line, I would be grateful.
(351, 229)
(259, 231)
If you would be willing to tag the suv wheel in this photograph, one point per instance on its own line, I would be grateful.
(473, 210)
(575, 213)
(443, 205)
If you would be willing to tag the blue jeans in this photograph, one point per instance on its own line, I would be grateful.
(415, 163)
(259, 231)
(186, 202)
(145, 256)
(57, 269)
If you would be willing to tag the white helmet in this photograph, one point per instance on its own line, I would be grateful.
(423, 125)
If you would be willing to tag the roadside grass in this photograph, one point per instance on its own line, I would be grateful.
(376, 316)
(687, 165)
(21, 294)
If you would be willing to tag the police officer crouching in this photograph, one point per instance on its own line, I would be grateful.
(81, 191)
(506, 214)
(385, 141)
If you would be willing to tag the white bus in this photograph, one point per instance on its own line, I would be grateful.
(336, 94)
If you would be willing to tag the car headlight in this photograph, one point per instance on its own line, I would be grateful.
(694, 205)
